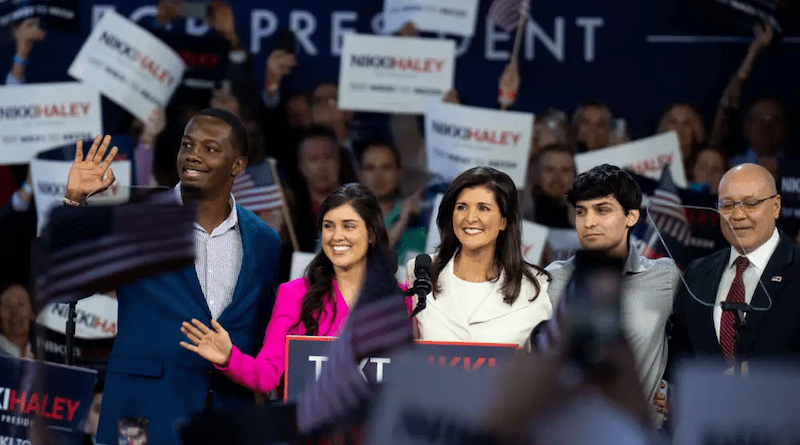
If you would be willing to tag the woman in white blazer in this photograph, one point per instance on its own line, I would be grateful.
(484, 291)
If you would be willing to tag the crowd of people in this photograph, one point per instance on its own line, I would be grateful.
(363, 200)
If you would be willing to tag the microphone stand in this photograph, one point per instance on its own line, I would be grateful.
(70, 334)
(421, 303)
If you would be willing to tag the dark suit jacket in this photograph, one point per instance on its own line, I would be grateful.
(150, 375)
(771, 333)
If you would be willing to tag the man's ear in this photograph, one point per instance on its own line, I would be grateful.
(632, 218)
(239, 165)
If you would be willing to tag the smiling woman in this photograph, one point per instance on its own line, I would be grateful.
(484, 291)
(352, 230)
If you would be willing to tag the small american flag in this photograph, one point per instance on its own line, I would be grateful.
(507, 13)
(666, 209)
(256, 188)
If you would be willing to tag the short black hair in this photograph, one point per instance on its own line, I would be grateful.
(398, 161)
(241, 143)
(605, 180)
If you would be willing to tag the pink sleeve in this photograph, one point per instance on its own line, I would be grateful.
(409, 300)
(263, 373)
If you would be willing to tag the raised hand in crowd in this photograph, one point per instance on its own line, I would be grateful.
(168, 11)
(722, 128)
(221, 19)
(279, 64)
(213, 345)
(451, 97)
(411, 208)
(26, 34)
(90, 174)
(407, 30)
(153, 126)
(508, 85)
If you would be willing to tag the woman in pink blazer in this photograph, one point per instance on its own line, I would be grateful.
(351, 228)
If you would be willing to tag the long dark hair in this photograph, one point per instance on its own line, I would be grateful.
(320, 273)
(508, 249)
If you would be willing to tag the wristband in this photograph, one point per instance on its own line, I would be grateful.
(20, 61)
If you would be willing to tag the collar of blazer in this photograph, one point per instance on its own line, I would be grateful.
(492, 307)
(783, 256)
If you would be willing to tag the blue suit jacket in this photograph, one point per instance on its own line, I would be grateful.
(150, 375)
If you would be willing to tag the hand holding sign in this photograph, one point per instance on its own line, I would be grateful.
(213, 345)
(93, 173)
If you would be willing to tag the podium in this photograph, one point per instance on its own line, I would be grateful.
(306, 356)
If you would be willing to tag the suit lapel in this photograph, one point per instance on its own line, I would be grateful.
(247, 268)
(193, 284)
(703, 315)
(775, 268)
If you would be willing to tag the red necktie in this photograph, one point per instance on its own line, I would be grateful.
(727, 329)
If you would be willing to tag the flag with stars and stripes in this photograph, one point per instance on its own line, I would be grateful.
(507, 13)
(666, 209)
(256, 188)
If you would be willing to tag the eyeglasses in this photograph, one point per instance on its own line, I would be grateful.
(747, 206)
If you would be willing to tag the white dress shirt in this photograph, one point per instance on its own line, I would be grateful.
(218, 259)
(752, 275)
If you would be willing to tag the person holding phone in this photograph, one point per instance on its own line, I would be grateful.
(352, 229)
(483, 289)
(607, 201)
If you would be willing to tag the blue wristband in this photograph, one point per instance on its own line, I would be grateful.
(20, 61)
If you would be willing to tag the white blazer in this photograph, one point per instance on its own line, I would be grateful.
(493, 322)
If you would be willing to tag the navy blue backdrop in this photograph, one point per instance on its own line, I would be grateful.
(624, 52)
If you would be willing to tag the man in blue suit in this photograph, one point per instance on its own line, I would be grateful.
(149, 375)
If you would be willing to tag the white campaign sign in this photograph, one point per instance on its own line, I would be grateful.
(459, 137)
(34, 118)
(534, 237)
(97, 317)
(447, 16)
(646, 157)
(434, 237)
(129, 65)
(394, 74)
(300, 261)
(50, 184)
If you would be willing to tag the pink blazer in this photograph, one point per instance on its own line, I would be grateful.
(263, 373)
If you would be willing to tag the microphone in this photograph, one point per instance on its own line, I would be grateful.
(422, 283)
(740, 308)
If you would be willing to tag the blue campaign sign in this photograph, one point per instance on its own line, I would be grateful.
(41, 399)
(306, 356)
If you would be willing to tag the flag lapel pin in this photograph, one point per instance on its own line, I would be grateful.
(777, 278)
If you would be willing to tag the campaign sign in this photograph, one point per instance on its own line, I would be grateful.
(306, 356)
(394, 74)
(50, 185)
(459, 137)
(34, 118)
(444, 16)
(129, 65)
(534, 237)
(36, 394)
(711, 408)
(62, 15)
(646, 157)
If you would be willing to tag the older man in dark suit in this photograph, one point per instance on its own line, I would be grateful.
(760, 271)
